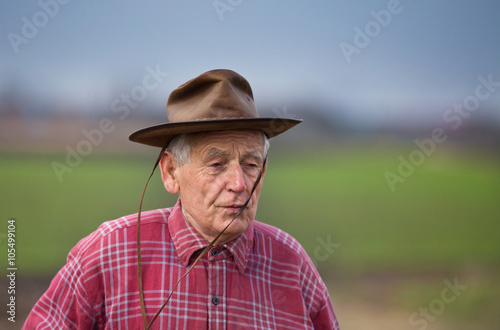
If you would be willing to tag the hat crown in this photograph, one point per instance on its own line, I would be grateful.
(216, 94)
(217, 100)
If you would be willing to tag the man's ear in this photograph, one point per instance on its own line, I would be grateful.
(168, 167)
(263, 172)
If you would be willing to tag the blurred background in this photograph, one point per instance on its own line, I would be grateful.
(391, 183)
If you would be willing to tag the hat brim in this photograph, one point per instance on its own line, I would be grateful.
(160, 135)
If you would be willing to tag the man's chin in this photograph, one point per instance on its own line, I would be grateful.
(238, 226)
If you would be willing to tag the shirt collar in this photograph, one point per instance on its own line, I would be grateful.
(187, 240)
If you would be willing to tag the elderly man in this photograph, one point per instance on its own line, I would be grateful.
(241, 273)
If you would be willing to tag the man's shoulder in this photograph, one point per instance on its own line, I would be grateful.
(158, 216)
(149, 221)
(284, 249)
(284, 240)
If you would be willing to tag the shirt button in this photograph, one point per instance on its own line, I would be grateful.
(215, 252)
(215, 301)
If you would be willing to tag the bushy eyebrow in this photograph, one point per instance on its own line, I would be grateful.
(254, 154)
(217, 153)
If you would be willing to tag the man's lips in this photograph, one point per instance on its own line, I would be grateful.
(233, 207)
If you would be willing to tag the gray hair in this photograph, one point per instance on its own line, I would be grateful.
(180, 147)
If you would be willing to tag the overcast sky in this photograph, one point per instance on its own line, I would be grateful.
(374, 60)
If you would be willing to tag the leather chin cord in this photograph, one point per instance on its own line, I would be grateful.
(209, 246)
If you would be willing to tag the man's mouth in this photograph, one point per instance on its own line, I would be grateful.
(233, 208)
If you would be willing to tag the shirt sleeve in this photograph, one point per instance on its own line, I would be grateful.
(65, 305)
(325, 318)
(317, 297)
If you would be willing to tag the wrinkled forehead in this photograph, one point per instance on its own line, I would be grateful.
(224, 142)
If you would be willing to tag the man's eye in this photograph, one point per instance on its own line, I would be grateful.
(252, 165)
(216, 165)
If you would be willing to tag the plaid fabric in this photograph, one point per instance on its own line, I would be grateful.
(261, 280)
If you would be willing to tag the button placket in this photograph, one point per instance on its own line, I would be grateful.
(217, 290)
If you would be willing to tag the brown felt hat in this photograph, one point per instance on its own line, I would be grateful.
(216, 100)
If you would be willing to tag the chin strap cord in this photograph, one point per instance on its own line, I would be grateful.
(209, 246)
(139, 263)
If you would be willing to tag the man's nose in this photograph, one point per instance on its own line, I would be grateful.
(236, 179)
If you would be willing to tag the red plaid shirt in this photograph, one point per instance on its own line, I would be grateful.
(261, 280)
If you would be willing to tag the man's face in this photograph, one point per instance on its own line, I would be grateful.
(218, 180)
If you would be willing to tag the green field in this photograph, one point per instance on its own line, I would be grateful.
(441, 223)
